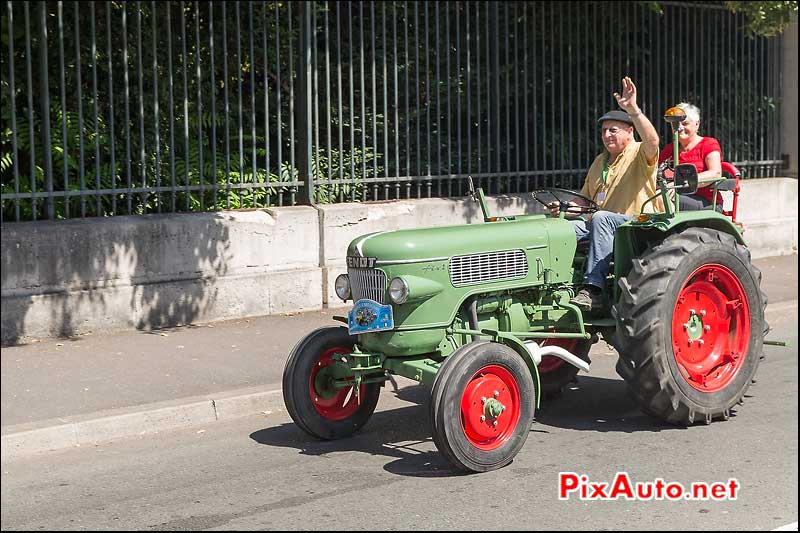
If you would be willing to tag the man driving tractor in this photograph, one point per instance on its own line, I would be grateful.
(619, 181)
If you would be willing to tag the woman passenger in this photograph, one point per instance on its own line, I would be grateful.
(704, 153)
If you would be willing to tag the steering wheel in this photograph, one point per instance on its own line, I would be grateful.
(563, 205)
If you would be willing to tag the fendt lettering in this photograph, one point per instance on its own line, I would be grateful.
(360, 262)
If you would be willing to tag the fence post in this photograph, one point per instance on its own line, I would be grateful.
(44, 81)
(304, 116)
(787, 119)
(493, 105)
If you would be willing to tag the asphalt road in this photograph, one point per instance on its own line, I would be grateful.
(263, 473)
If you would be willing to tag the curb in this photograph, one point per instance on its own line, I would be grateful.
(48, 435)
(28, 439)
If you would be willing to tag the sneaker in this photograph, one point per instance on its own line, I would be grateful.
(587, 300)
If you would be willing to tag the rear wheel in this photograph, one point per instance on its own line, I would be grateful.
(482, 405)
(690, 326)
(315, 405)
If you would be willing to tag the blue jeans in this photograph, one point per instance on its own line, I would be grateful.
(600, 233)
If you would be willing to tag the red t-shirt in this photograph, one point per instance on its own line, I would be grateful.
(697, 157)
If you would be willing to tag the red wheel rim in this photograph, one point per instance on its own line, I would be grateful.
(490, 407)
(333, 404)
(710, 328)
(551, 363)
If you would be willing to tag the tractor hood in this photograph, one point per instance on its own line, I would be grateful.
(443, 266)
(525, 233)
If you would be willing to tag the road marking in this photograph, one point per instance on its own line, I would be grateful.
(787, 527)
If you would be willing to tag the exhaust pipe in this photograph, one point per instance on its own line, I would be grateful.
(540, 351)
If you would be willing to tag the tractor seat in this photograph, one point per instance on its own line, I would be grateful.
(729, 185)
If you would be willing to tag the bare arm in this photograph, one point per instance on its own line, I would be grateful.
(648, 133)
(713, 167)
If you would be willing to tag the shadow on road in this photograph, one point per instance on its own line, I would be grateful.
(404, 434)
(598, 404)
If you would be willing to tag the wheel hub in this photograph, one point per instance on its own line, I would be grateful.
(694, 327)
(492, 408)
(324, 382)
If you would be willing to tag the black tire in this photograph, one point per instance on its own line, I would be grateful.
(480, 445)
(314, 409)
(670, 370)
(556, 373)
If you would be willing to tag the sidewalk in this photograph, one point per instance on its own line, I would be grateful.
(58, 393)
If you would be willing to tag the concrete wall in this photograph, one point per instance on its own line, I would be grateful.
(69, 277)
(768, 210)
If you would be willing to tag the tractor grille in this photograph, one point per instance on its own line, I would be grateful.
(367, 283)
(494, 266)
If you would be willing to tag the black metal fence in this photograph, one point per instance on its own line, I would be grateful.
(141, 107)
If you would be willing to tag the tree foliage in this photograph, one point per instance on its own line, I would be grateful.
(764, 18)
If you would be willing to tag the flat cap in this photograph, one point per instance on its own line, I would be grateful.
(620, 116)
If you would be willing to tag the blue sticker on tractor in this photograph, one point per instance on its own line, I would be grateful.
(369, 315)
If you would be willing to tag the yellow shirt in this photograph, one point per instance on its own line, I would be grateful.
(630, 181)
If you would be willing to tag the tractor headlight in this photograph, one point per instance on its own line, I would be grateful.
(343, 287)
(398, 290)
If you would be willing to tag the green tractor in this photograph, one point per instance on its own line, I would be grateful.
(481, 313)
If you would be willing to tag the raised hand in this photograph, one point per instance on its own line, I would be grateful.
(627, 101)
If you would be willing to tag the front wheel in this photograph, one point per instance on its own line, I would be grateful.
(482, 405)
(315, 405)
(690, 323)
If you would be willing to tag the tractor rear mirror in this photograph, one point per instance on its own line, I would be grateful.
(685, 178)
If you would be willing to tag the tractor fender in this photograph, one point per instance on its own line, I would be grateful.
(719, 223)
(630, 237)
(687, 219)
